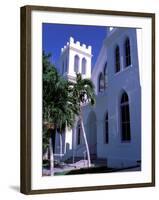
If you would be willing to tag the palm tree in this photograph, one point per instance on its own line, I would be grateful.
(68, 110)
(59, 109)
(50, 78)
(83, 92)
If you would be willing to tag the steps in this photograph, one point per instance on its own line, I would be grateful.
(97, 162)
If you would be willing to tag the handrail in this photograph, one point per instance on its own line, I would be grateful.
(80, 147)
(83, 145)
(83, 152)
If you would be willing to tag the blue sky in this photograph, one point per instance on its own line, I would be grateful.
(55, 36)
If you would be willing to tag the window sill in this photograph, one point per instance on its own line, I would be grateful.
(127, 67)
(116, 73)
(123, 69)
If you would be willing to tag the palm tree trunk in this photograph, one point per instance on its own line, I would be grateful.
(86, 143)
(51, 157)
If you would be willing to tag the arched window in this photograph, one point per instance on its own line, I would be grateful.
(78, 134)
(127, 53)
(76, 64)
(101, 83)
(84, 66)
(105, 76)
(125, 118)
(117, 59)
(106, 129)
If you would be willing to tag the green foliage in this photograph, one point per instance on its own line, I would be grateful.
(61, 99)
(59, 108)
(83, 91)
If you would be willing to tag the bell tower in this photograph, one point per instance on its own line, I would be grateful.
(75, 58)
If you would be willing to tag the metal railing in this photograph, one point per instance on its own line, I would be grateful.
(84, 152)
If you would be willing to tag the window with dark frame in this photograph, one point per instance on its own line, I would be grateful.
(105, 76)
(117, 59)
(76, 63)
(106, 129)
(101, 83)
(127, 53)
(125, 118)
(84, 66)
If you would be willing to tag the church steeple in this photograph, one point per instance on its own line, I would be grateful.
(75, 58)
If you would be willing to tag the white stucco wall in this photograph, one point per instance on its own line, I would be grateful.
(119, 153)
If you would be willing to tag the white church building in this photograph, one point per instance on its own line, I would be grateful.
(113, 125)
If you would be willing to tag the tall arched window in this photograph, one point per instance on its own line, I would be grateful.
(101, 83)
(76, 64)
(106, 129)
(84, 66)
(127, 53)
(78, 134)
(117, 59)
(105, 76)
(125, 118)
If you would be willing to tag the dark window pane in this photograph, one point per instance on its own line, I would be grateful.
(127, 114)
(105, 72)
(122, 114)
(106, 129)
(117, 59)
(124, 98)
(106, 139)
(127, 53)
(83, 66)
(76, 64)
(125, 118)
(128, 131)
(101, 83)
(123, 132)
